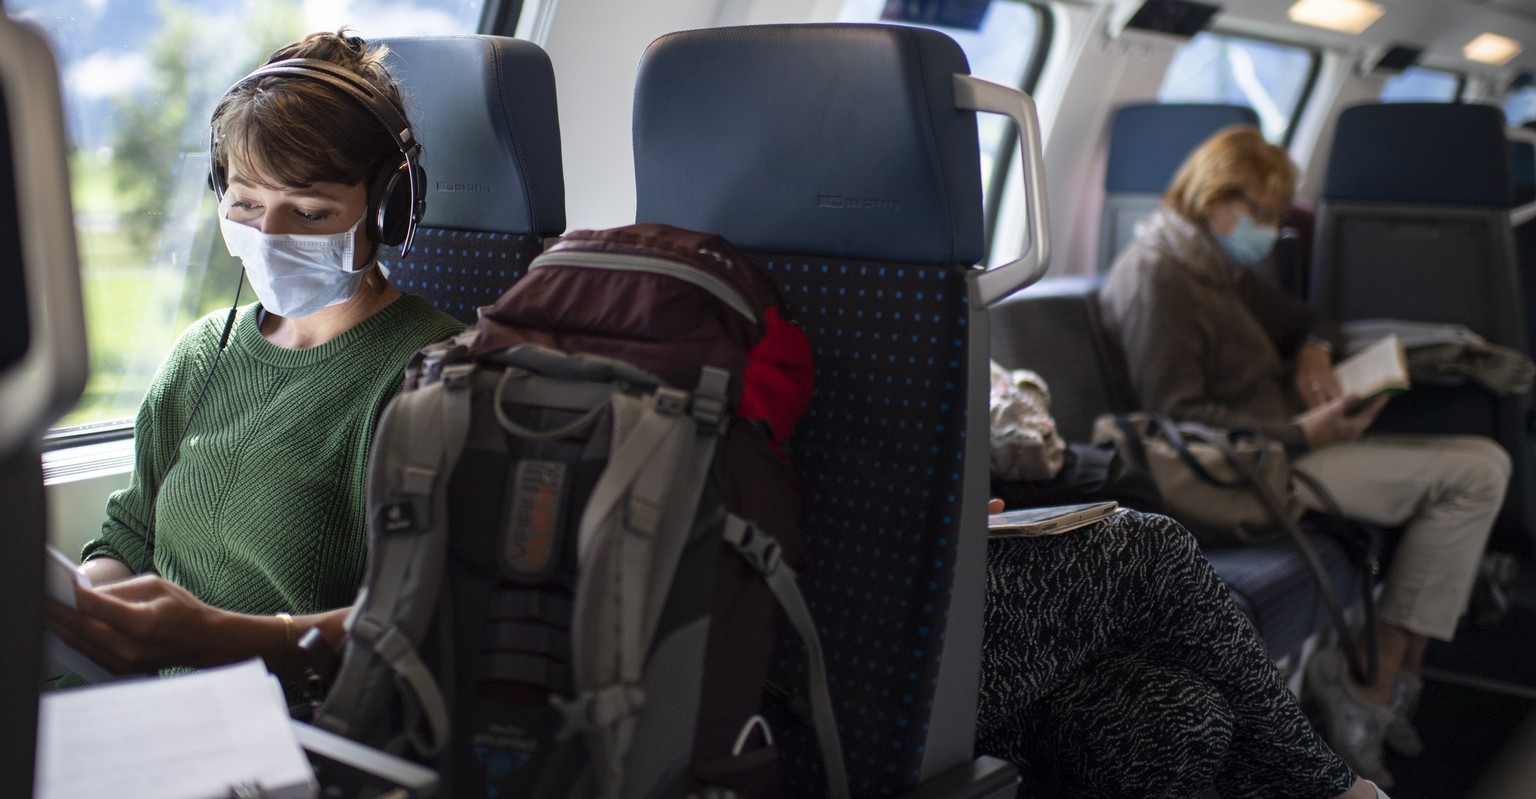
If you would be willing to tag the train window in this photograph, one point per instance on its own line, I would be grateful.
(140, 80)
(1271, 78)
(1422, 85)
(1520, 105)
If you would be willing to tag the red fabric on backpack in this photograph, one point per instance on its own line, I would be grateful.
(779, 378)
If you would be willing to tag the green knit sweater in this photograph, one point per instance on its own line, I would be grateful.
(264, 510)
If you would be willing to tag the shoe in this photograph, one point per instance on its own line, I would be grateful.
(1351, 725)
(1401, 736)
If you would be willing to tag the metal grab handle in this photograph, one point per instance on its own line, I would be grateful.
(974, 94)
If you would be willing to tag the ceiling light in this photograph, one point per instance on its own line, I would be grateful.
(1347, 16)
(1491, 48)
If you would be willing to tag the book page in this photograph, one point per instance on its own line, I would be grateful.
(1383, 366)
(192, 737)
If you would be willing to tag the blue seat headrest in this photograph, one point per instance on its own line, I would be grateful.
(484, 110)
(838, 140)
(1148, 143)
(1440, 153)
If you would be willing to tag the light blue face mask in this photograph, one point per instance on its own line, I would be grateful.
(1248, 243)
(295, 275)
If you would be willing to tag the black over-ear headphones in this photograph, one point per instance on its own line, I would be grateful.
(397, 192)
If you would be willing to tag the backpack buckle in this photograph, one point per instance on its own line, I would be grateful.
(710, 399)
(670, 401)
(457, 375)
(592, 711)
(759, 549)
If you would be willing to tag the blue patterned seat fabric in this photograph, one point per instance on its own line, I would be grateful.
(869, 218)
(880, 456)
(460, 271)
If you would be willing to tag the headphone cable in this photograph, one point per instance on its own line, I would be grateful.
(229, 324)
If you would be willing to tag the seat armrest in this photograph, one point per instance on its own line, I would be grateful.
(359, 770)
(983, 778)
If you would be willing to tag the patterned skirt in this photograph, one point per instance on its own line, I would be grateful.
(1115, 662)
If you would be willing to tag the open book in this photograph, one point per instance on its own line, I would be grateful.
(1381, 368)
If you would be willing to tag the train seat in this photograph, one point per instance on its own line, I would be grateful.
(1052, 328)
(484, 109)
(835, 156)
(1522, 165)
(1414, 224)
(1147, 144)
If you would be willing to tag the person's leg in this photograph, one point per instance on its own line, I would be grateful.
(1138, 584)
(1447, 490)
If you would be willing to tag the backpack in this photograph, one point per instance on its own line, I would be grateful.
(578, 545)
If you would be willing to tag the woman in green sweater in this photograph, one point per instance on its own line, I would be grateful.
(244, 524)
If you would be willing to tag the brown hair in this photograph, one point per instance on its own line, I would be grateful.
(294, 131)
(1235, 162)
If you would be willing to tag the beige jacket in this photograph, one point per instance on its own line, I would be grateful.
(1205, 339)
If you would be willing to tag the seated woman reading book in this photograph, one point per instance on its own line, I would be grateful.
(1207, 340)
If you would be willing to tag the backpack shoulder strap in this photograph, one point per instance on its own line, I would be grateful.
(763, 552)
(631, 537)
(420, 439)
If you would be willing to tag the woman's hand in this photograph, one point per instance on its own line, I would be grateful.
(1316, 382)
(994, 506)
(1331, 422)
(142, 625)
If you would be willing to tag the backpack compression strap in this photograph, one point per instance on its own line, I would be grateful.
(763, 553)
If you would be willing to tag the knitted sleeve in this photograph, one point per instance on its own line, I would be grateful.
(155, 431)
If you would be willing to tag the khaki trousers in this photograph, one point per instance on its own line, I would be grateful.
(1446, 490)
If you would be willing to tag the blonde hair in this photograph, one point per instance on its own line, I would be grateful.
(1235, 162)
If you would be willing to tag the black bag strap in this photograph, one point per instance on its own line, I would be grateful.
(1136, 449)
(1364, 672)
(1177, 436)
(1364, 552)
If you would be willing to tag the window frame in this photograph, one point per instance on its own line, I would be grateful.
(1002, 162)
(1308, 84)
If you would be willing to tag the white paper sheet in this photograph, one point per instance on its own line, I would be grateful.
(192, 737)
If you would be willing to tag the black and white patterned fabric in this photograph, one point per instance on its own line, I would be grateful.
(1116, 662)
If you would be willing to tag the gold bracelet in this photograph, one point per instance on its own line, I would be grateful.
(290, 630)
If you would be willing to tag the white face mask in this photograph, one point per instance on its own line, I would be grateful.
(293, 274)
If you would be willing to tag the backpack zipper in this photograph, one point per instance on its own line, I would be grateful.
(722, 290)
